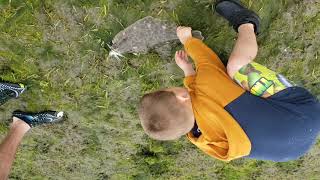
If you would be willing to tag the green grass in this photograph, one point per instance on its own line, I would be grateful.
(58, 49)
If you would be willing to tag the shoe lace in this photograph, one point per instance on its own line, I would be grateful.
(42, 118)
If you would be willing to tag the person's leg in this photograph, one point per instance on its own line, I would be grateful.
(247, 24)
(245, 49)
(252, 76)
(22, 122)
(9, 146)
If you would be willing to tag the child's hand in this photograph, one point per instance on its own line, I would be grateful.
(183, 62)
(184, 33)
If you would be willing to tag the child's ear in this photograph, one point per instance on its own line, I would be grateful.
(183, 96)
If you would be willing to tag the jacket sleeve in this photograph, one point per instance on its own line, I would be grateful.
(189, 82)
(201, 53)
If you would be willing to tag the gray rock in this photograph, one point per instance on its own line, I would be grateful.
(145, 35)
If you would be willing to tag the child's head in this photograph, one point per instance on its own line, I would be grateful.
(166, 114)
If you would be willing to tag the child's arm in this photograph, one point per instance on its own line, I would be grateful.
(197, 50)
(183, 62)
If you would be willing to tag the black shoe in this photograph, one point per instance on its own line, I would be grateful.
(9, 91)
(237, 14)
(35, 119)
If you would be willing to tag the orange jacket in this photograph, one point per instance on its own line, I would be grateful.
(211, 89)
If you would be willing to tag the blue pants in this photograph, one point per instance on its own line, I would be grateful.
(282, 127)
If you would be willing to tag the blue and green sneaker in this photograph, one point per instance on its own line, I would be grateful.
(35, 119)
(9, 91)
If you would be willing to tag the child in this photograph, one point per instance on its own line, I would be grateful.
(266, 119)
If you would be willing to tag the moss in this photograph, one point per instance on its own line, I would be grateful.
(59, 50)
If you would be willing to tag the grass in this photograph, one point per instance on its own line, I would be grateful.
(58, 49)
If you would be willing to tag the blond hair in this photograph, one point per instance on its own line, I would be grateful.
(161, 116)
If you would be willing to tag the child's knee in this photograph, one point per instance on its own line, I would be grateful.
(235, 63)
(233, 68)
